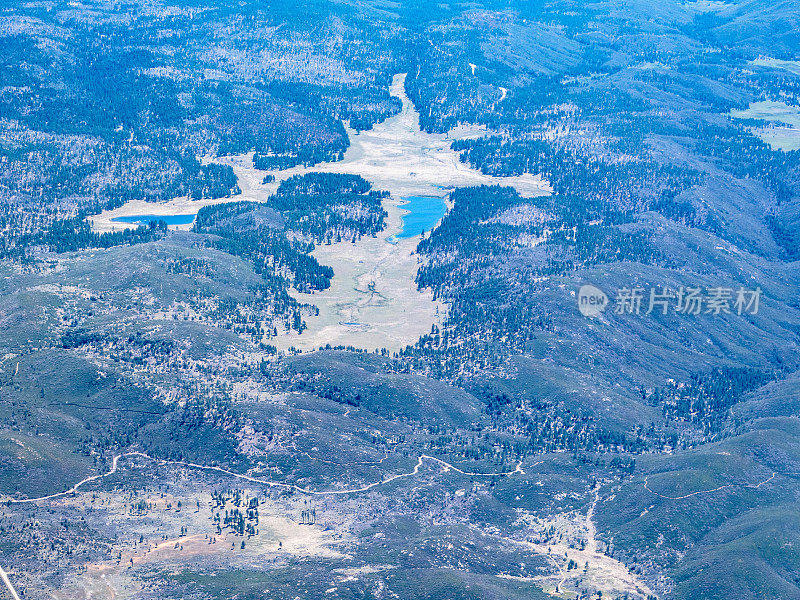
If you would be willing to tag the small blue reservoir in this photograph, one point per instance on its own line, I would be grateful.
(425, 213)
(147, 219)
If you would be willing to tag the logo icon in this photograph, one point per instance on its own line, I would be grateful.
(591, 301)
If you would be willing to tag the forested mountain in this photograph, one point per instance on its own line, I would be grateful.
(161, 438)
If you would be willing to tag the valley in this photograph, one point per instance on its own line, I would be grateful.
(290, 300)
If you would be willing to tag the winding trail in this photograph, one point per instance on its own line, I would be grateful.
(75, 487)
(446, 466)
(289, 486)
(716, 489)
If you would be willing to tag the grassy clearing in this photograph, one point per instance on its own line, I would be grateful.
(783, 129)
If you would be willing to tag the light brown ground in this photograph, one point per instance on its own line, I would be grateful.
(373, 301)
(595, 571)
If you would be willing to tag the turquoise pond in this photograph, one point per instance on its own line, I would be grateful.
(426, 212)
(147, 219)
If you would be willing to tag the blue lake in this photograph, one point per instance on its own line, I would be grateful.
(147, 219)
(426, 212)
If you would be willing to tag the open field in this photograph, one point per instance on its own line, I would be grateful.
(373, 301)
(569, 541)
(394, 155)
(780, 137)
(104, 222)
(783, 132)
(792, 66)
